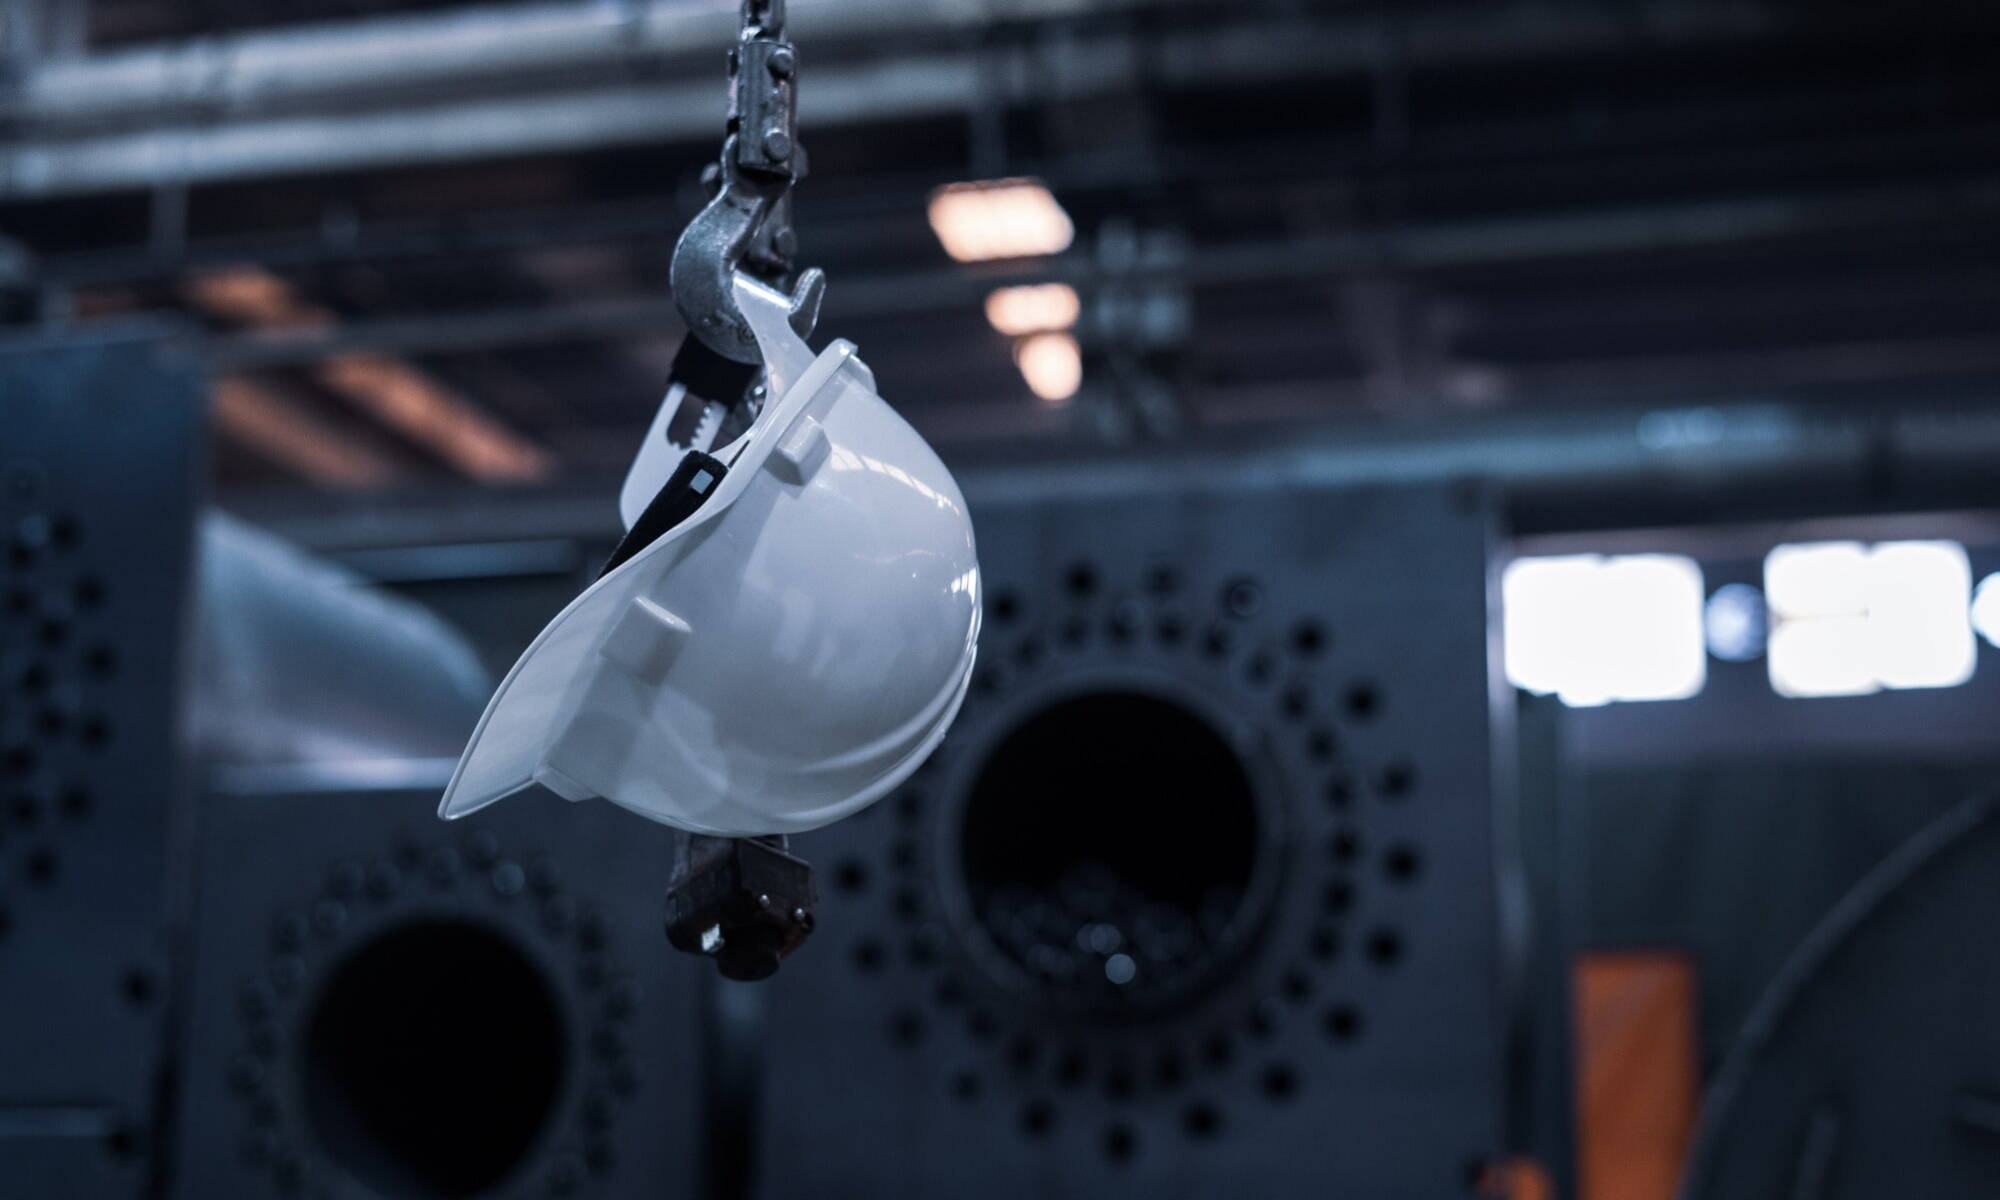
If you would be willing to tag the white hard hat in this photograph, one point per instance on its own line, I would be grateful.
(782, 657)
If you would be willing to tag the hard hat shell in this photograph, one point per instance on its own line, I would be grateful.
(783, 657)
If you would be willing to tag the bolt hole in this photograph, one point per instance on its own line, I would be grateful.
(1031, 652)
(1338, 896)
(1037, 1118)
(37, 679)
(1345, 846)
(906, 1028)
(20, 759)
(1120, 1083)
(95, 732)
(1297, 986)
(1080, 580)
(1124, 624)
(1339, 792)
(1385, 948)
(89, 593)
(868, 956)
(850, 876)
(1217, 1050)
(1280, 1082)
(1308, 638)
(1201, 1120)
(137, 987)
(1022, 1052)
(1364, 701)
(1242, 597)
(1398, 780)
(1402, 863)
(122, 1143)
(1072, 1068)
(1120, 1143)
(1006, 607)
(1343, 1023)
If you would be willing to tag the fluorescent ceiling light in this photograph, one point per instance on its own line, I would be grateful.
(1002, 218)
(1052, 365)
(1034, 308)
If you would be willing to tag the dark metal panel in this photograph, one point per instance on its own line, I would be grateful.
(1872, 1065)
(98, 461)
(1274, 696)
(386, 1005)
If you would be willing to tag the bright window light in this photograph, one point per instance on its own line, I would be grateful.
(1818, 579)
(1034, 308)
(1822, 656)
(1001, 218)
(1849, 619)
(1051, 363)
(1986, 609)
(1594, 629)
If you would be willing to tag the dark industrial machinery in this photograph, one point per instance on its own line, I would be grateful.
(241, 957)
(1198, 895)
(101, 439)
(1872, 1065)
(384, 1006)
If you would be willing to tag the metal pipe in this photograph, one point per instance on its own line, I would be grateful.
(295, 101)
(505, 42)
(1607, 469)
(299, 665)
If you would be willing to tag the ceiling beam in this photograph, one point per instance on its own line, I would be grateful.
(391, 391)
(278, 428)
(1538, 240)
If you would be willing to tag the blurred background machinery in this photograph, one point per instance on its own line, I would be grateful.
(1198, 894)
(243, 956)
(97, 586)
(1493, 600)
